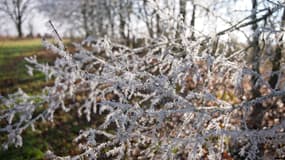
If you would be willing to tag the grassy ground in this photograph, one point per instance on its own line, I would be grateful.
(13, 75)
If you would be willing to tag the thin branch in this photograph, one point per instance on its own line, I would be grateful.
(55, 31)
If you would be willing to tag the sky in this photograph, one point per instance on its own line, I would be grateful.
(39, 23)
(203, 23)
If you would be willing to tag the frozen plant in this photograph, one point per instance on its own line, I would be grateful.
(159, 101)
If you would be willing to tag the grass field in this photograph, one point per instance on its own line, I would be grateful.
(13, 75)
(13, 72)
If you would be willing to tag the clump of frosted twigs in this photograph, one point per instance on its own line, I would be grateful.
(160, 101)
(162, 104)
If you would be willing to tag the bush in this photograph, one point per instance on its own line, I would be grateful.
(173, 99)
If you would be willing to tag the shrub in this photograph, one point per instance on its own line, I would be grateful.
(169, 100)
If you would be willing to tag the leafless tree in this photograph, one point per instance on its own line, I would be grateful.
(17, 11)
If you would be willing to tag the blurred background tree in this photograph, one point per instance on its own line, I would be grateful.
(18, 11)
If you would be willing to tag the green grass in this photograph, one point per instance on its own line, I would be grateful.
(56, 137)
(12, 55)
(13, 75)
(32, 148)
(14, 48)
(13, 71)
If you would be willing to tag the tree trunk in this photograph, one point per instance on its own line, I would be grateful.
(122, 27)
(19, 27)
(182, 11)
(158, 29)
(255, 41)
(147, 22)
(182, 6)
(129, 12)
(192, 23)
(85, 19)
(19, 19)
(277, 58)
(256, 116)
(122, 22)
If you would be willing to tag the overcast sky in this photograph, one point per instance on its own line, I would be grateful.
(208, 26)
(38, 21)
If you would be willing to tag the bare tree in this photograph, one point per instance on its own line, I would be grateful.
(92, 17)
(255, 40)
(146, 15)
(192, 23)
(17, 11)
(276, 60)
(182, 5)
